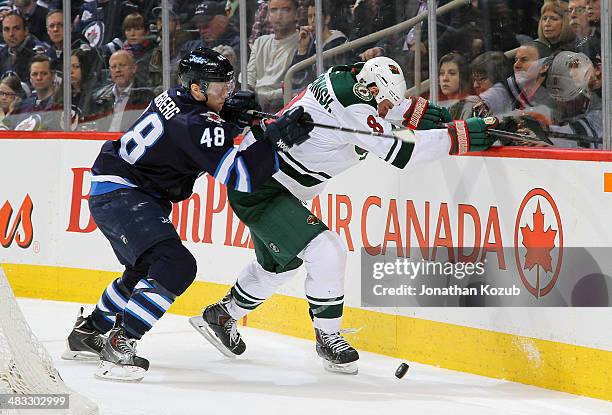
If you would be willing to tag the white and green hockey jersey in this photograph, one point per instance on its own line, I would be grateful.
(336, 98)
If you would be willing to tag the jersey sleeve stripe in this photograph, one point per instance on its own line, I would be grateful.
(304, 168)
(403, 155)
(225, 166)
(303, 179)
(244, 179)
(391, 152)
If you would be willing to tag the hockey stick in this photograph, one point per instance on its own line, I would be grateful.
(518, 138)
(259, 114)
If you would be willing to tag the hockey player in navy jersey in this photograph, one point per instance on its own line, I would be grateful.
(179, 137)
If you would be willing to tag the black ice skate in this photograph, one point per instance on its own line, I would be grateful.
(220, 329)
(338, 356)
(118, 360)
(83, 343)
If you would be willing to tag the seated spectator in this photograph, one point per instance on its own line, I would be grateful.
(455, 86)
(489, 73)
(177, 38)
(579, 19)
(81, 80)
(35, 17)
(55, 33)
(261, 25)
(526, 85)
(11, 95)
(568, 82)
(554, 29)
(307, 46)
(272, 55)
(138, 44)
(117, 105)
(594, 12)
(213, 26)
(20, 46)
(43, 109)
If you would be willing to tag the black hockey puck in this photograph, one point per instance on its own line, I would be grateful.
(401, 370)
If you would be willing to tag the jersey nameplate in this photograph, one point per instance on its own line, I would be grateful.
(166, 106)
(321, 94)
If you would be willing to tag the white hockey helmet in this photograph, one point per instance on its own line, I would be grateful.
(387, 75)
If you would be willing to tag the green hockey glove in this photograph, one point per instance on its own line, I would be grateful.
(423, 115)
(471, 134)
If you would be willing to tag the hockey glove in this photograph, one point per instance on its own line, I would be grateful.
(236, 106)
(423, 115)
(471, 134)
(290, 129)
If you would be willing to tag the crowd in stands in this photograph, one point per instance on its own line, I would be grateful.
(535, 63)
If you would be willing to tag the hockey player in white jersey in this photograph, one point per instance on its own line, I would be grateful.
(286, 234)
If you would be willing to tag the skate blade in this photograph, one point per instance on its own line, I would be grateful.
(122, 373)
(201, 326)
(80, 356)
(344, 368)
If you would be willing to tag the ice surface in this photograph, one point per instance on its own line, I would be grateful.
(282, 375)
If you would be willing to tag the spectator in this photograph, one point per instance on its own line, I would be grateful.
(455, 86)
(55, 33)
(177, 38)
(271, 55)
(579, 19)
(81, 80)
(42, 110)
(35, 17)
(20, 46)
(11, 95)
(489, 73)
(526, 85)
(138, 44)
(307, 46)
(261, 25)
(116, 106)
(581, 111)
(554, 29)
(594, 12)
(213, 25)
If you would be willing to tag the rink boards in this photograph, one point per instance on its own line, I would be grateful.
(51, 249)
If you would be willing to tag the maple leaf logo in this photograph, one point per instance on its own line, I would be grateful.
(539, 243)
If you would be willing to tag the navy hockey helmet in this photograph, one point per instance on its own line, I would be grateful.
(202, 66)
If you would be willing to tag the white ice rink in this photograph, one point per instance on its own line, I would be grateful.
(283, 375)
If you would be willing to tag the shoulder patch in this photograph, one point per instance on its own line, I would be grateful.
(348, 91)
(362, 91)
(212, 116)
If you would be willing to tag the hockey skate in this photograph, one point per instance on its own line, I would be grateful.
(83, 343)
(338, 356)
(118, 360)
(220, 329)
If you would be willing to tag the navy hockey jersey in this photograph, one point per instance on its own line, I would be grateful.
(173, 142)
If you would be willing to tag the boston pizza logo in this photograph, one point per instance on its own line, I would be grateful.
(538, 242)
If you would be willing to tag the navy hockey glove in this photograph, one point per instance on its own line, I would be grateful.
(423, 115)
(471, 134)
(236, 106)
(290, 129)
